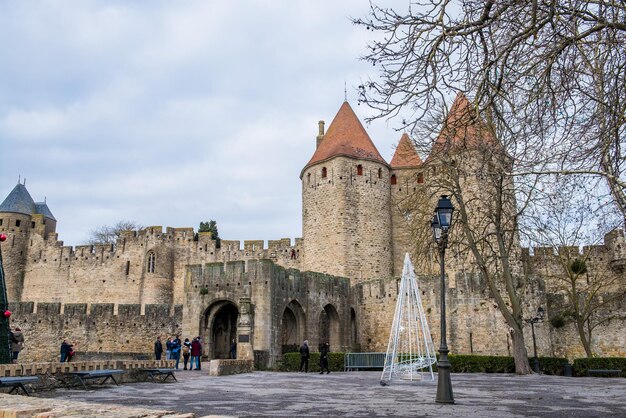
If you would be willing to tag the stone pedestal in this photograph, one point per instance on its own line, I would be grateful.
(245, 337)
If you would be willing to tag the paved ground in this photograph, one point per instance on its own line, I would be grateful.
(360, 394)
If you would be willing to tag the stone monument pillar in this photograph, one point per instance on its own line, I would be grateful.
(245, 331)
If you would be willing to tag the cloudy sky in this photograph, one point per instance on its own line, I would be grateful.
(174, 112)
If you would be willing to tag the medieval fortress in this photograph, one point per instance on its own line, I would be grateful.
(337, 283)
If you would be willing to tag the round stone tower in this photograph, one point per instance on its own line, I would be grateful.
(346, 218)
(23, 221)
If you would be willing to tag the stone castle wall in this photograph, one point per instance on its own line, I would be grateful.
(39, 267)
(97, 329)
(346, 218)
(272, 290)
(474, 322)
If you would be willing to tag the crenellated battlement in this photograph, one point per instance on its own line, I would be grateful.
(92, 327)
(612, 253)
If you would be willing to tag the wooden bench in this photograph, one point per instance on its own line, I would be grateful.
(16, 383)
(81, 377)
(161, 374)
(603, 371)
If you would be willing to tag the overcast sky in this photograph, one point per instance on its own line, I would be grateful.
(172, 113)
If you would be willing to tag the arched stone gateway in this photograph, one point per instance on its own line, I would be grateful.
(219, 328)
(292, 327)
(329, 328)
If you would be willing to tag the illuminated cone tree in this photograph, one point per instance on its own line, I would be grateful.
(410, 352)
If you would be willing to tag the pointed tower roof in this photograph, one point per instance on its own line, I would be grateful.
(18, 201)
(406, 155)
(43, 209)
(346, 136)
(463, 127)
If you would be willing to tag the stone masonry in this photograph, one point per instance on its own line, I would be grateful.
(336, 284)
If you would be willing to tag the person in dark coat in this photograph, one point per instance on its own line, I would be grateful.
(304, 356)
(233, 349)
(186, 350)
(324, 358)
(66, 349)
(176, 348)
(158, 348)
(196, 352)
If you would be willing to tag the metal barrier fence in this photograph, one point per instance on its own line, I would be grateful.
(356, 361)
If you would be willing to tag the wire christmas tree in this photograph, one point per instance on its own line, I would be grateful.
(410, 350)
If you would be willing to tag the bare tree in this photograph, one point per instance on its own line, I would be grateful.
(592, 291)
(550, 74)
(467, 162)
(107, 234)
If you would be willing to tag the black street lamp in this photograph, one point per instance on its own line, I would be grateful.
(441, 224)
(532, 321)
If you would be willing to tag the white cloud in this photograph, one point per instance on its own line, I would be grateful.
(172, 113)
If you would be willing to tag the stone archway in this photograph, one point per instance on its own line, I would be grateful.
(329, 328)
(292, 327)
(220, 328)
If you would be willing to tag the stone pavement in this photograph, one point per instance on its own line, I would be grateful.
(360, 394)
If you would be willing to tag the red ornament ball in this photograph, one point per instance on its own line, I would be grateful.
(7, 313)
(3, 237)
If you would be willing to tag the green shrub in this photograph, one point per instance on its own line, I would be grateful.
(204, 291)
(551, 365)
(291, 348)
(557, 321)
(582, 365)
(459, 363)
(463, 363)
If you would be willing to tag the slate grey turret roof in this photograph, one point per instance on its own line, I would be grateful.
(20, 201)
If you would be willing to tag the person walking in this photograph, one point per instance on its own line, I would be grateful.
(186, 352)
(196, 352)
(17, 343)
(324, 358)
(176, 347)
(304, 356)
(158, 348)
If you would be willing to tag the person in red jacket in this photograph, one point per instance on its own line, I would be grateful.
(196, 352)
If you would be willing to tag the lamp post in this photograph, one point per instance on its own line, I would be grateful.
(441, 223)
(532, 322)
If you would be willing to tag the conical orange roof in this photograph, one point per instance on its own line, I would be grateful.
(405, 155)
(463, 127)
(346, 136)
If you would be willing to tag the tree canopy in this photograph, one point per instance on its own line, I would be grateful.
(211, 227)
(108, 234)
(550, 77)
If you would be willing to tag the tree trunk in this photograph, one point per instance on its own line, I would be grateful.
(586, 341)
(522, 366)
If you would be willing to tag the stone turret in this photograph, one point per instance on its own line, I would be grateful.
(346, 221)
(24, 221)
(406, 179)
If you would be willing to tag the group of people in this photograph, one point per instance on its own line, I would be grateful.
(305, 354)
(190, 350)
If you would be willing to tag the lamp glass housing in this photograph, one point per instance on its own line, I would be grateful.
(436, 228)
(444, 211)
